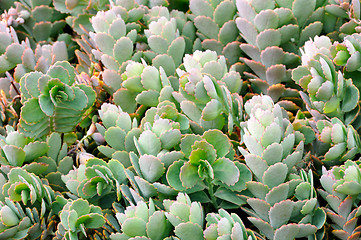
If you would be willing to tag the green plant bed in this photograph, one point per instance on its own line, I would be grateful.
(180, 120)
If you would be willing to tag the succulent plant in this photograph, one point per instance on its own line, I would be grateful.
(224, 225)
(18, 222)
(142, 85)
(163, 38)
(37, 20)
(27, 188)
(41, 59)
(217, 30)
(78, 218)
(209, 164)
(329, 92)
(208, 93)
(345, 55)
(187, 217)
(270, 140)
(118, 131)
(341, 190)
(112, 38)
(274, 30)
(52, 102)
(142, 221)
(339, 143)
(97, 180)
(166, 110)
(11, 49)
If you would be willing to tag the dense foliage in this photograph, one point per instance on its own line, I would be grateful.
(189, 120)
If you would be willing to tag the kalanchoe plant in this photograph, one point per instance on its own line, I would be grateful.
(78, 218)
(27, 188)
(163, 39)
(118, 131)
(187, 217)
(41, 59)
(52, 101)
(97, 181)
(329, 92)
(274, 30)
(37, 20)
(216, 27)
(209, 164)
(224, 225)
(341, 190)
(142, 221)
(142, 85)
(17, 222)
(11, 49)
(338, 142)
(208, 93)
(270, 140)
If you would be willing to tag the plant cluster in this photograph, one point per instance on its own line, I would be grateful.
(180, 120)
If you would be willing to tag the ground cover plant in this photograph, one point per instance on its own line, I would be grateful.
(177, 119)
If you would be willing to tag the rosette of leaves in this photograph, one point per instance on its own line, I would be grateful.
(271, 74)
(209, 163)
(163, 38)
(114, 41)
(341, 190)
(17, 222)
(142, 221)
(11, 50)
(52, 101)
(270, 139)
(41, 158)
(42, 23)
(217, 30)
(342, 18)
(41, 59)
(187, 217)
(21, 186)
(346, 55)
(156, 147)
(142, 85)
(274, 30)
(338, 142)
(224, 225)
(288, 24)
(208, 93)
(78, 220)
(166, 110)
(329, 93)
(97, 180)
(118, 131)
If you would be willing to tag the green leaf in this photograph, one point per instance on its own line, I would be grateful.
(134, 227)
(280, 213)
(150, 143)
(266, 19)
(152, 168)
(14, 155)
(219, 141)
(158, 44)
(225, 171)
(189, 175)
(275, 175)
(207, 27)
(34, 150)
(302, 9)
(123, 50)
(267, 38)
(158, 227)
(186, 231)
